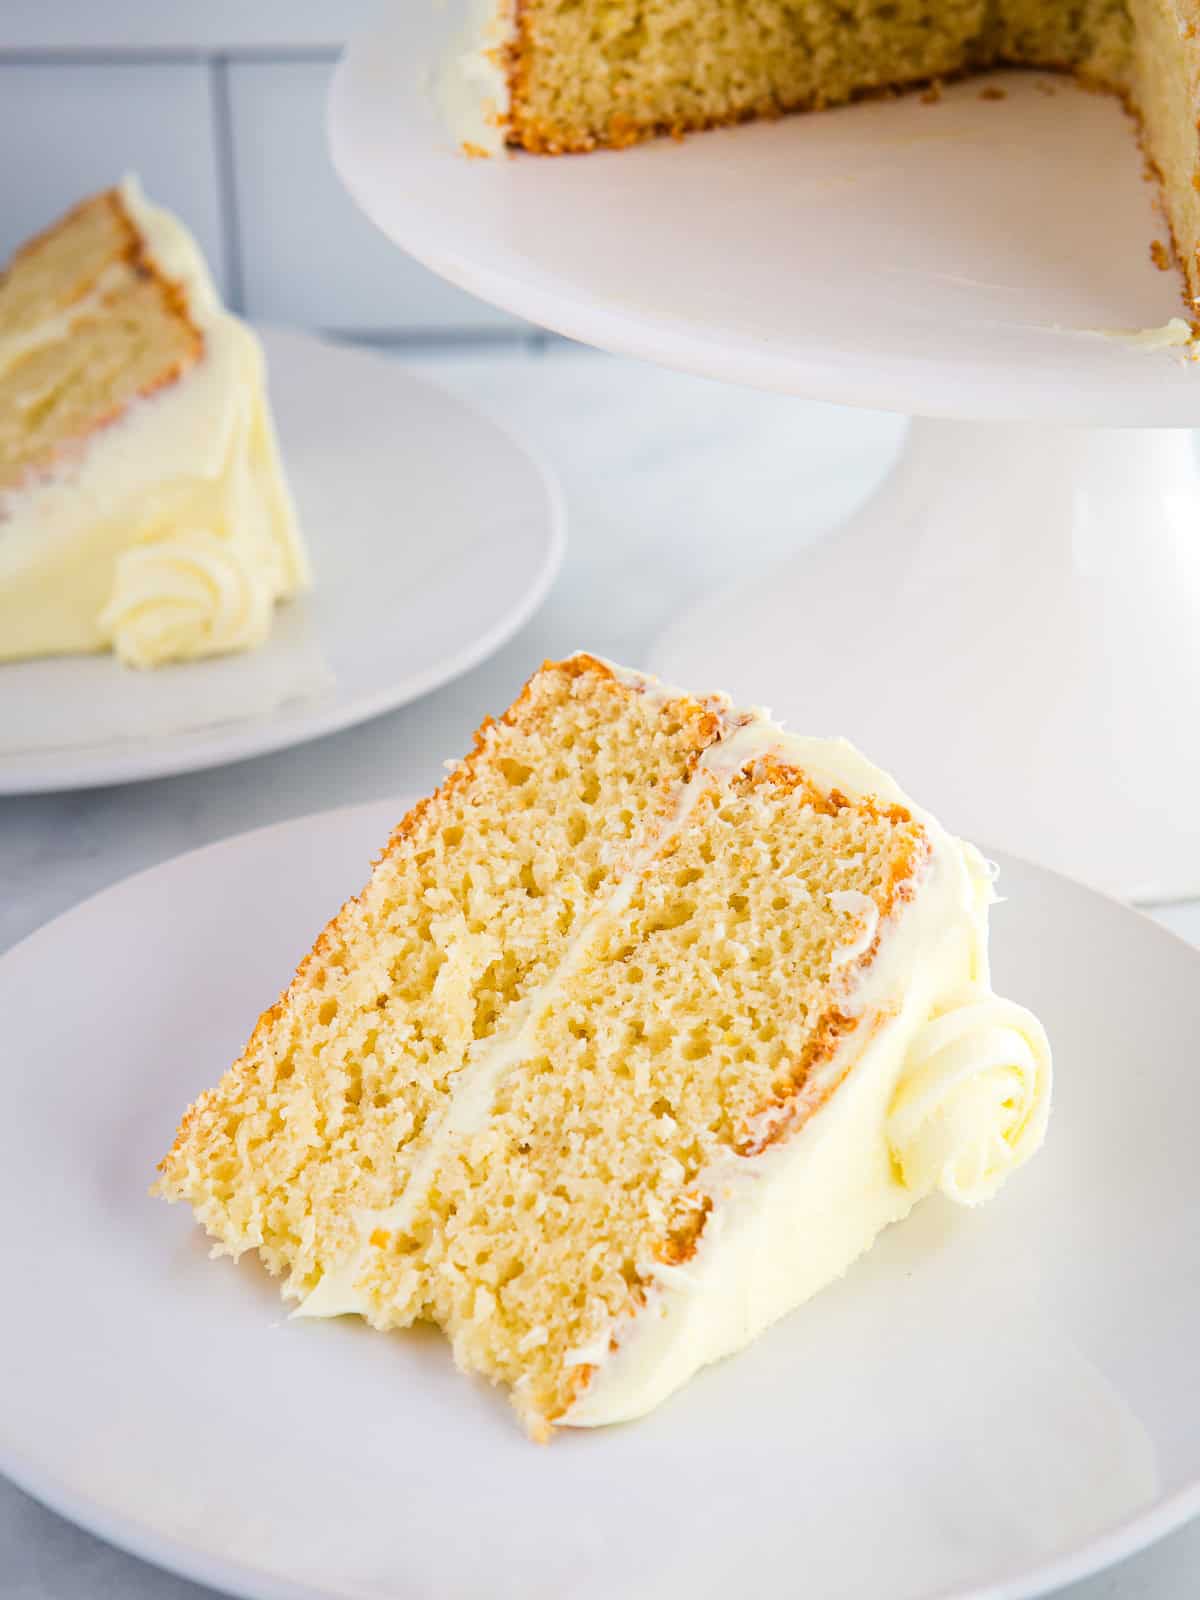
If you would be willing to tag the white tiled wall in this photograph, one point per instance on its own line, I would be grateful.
(69, 25)
(220, 108)
(67, 129)
(292, 209)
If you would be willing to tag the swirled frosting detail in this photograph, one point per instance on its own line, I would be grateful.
(186, 595)
(973, 1102)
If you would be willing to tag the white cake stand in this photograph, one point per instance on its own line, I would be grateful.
(1013, 622)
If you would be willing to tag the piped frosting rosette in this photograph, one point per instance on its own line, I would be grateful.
(189, 594)
(973, 1102)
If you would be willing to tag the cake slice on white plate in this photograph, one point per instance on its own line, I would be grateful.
(644, 1026)
(143, 505)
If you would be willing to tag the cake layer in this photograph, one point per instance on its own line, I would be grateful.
(143, 506)
(645, 1026)
(53, 272)
(589, 72)
(60, 392)
(471, 907)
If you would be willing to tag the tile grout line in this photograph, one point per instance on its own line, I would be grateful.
(446, 337)
(149, 55)
(223, 149)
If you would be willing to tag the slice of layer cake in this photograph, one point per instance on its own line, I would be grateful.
(143, 506)
(645, 1025)
(570, 75)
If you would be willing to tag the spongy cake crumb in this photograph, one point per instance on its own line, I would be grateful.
(679, 932)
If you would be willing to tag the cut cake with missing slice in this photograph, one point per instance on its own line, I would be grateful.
(554, 76)
(644, 1026)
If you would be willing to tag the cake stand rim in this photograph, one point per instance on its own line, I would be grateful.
(1147, 389)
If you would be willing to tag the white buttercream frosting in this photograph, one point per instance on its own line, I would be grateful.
(974, 1100)
(942, 1086)
(948, 1088)
(187, 594)
(472, 86)
(173, 534)
(866, 913)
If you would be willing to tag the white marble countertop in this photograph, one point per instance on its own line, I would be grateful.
(673, 486)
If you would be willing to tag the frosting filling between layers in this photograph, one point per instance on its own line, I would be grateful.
(173, 534)
(475, 1086)
(944, 1087)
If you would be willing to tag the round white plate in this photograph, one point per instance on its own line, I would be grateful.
(991, 1403)
(434, 536)
(960, 259)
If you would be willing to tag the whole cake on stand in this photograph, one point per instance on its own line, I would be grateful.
(1011, 622)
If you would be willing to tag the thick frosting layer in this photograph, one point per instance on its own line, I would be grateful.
(1176, 334)
(943, 1086)
(173, 535)
(973, 1101)
(472, 86)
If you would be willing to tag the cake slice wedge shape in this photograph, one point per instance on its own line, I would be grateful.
(646, 1025)
(144, 507)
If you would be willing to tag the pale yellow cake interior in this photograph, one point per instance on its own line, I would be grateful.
(57, 268)
(584, 73)
(686, 948)
(86, 327)
(58, 393)
(703, 1005)
(608, 71)
(470, 907)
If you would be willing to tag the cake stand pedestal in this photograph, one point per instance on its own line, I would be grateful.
(1012, 624)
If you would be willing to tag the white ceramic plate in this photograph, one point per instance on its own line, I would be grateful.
(961, 259)
(991, 1403)
(433, 535)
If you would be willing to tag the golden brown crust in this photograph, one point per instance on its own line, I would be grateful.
(540, 137)
(1189, 267)
(108, 200)
(786, 1112)
(797, 1101)
(174, 299)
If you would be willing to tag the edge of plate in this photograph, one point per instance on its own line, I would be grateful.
(1127, 1538)
(277, 731)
